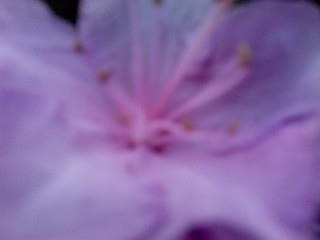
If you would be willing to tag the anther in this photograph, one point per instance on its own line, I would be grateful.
(187, 124)
(233, 128)
(158, 3)
(77, 46)
(104, 76)
(245, 55)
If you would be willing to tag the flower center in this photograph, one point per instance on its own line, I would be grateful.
(137, 128)
(140, 120)
(157, 126)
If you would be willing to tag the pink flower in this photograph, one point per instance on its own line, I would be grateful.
(159, 120)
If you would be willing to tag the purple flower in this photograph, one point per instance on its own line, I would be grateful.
(159, 120)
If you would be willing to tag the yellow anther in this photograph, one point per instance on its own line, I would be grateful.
(245, 55)
(233, 128)
(158, 3)
(188, 124)
(104, 76)
(77, 46)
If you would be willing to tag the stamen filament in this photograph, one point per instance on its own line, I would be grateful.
(230, 76)
(137, 51)
(119, 97)
(155, 68)
(210, 26)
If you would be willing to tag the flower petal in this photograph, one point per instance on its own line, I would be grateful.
(29, 135)
(37, 57)
(47, 30)
(48, 96)
(50, 185)
(45, 166)
(43, 34)
(270, 191)
(79, 201)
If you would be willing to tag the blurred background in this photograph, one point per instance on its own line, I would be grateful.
(68, 8)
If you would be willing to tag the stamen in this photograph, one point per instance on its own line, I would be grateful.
(188, 124)
(233, 128)
(245, 56)
(155, 50)
(119, 97)
(114, 91)
(78, 47)
(230, 76)
(104, 76)
(137, 50)
(209, 27)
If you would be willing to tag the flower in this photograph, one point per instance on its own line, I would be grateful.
(159, 120)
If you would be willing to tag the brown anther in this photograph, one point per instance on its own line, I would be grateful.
(158, 3)
(104, 76)
(124, 119)
(245, 55)
(187, 124)
(77, 46)
(233, 128)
